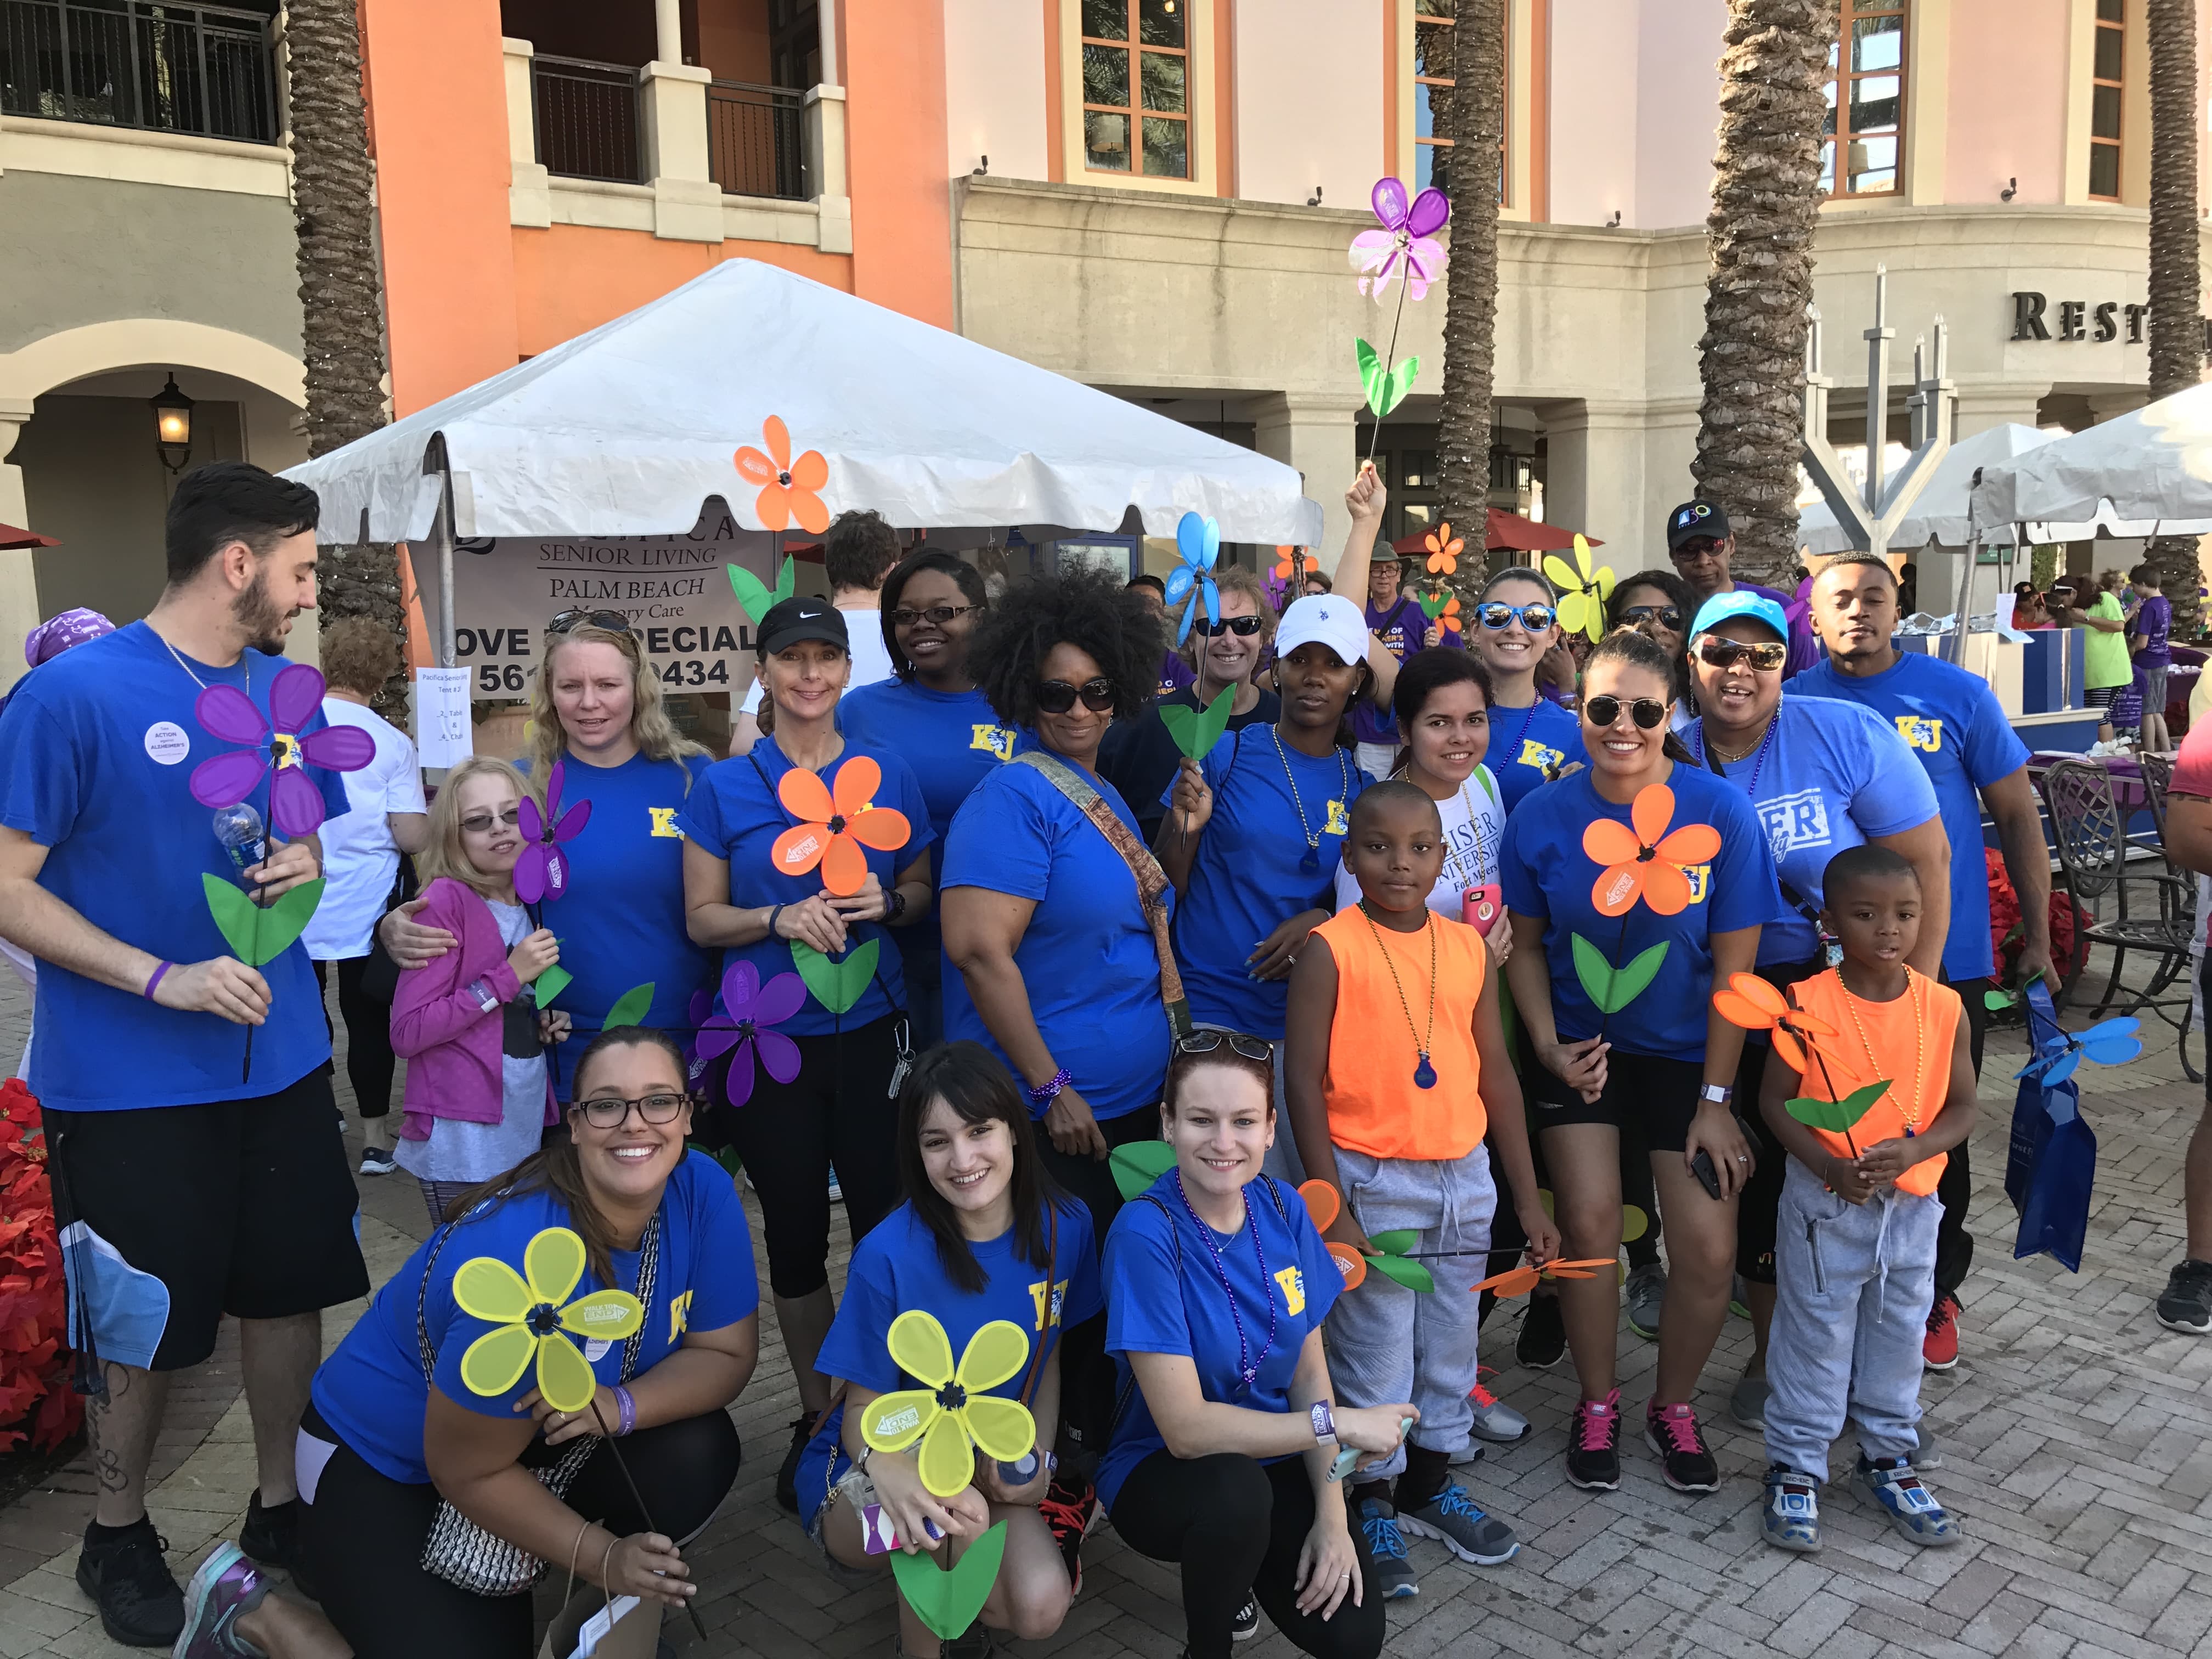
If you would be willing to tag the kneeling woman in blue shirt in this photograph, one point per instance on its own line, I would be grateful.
(1217, 1287)
(392, 1432)
(984, 1234)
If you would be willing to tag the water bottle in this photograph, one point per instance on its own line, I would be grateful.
(239, 829)
(1021, 1473)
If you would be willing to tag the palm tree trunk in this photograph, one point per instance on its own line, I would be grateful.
(341, 288)
(1478, 130)
(1766, 204)
(2177, 332)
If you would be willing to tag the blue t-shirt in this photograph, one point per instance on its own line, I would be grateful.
(97, 752)
(1247, 880)
(1545, 873)
(734, 812)
(1087, 957)
(1528, 746)
(1163, 1296)
(1831, 776)
(620, 921)
(371, 1391)
(1956, 729)
(1403, 629)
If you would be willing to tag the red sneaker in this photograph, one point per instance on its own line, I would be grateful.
(1071, 1512)
(1940, 1351)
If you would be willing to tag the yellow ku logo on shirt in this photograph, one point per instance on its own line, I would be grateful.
(1921, 732)
(1294, 1289)
(680, 1317)
(1543, 757)
(1047, 1310)
(664, 823)
(1340, 822)
(1701, 881)
(992, 740)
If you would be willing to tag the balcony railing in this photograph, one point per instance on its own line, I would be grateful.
(755, 143)
(202, 70)
(586, 117)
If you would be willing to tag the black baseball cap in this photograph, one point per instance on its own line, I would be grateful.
(1695, 519)
(802, 618)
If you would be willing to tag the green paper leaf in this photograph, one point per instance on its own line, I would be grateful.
(233, 915)
(258, 936)
(947, 1603)
(1997, 1001)
(1628, 982)
(630, 1008)
(1139, 1165)
(1836, 1116)
(1613, 989)
(1412, 1274)
(1591, 968)
(1395, 385)
(751, 592)
(1395, 1244)
(1432, 605)
(1371, 372)
(1195, 731)
(835, 985)
(787, 579)
(549, 984)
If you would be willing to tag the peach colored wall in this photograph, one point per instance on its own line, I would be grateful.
(1677, 110)
(2008, 101)
(1309, 77)
(1594, 107)
(994, 86)
(443, 176)
(891, 56)
(571, 278)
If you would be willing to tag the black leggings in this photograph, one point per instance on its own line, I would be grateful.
(838, 1110)
(1955, 1187)
(1086, 1370)
(1237, 1524)
(370, 1060)
(361, 1539)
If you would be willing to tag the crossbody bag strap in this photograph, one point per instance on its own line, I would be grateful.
(648, 1276)
(1152, 880)
(429, 1355)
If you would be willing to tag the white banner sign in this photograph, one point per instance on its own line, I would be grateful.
(442, 731)
(671, 589)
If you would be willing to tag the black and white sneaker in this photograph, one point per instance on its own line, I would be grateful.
(1246, 1624)
(140, 1603)
(2187, 1303)
(377, 1161)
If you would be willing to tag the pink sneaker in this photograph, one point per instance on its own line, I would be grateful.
(1688, 1463)
(226, 1586)
(1594, 1444)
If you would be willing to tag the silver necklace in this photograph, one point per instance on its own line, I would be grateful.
(245, 662)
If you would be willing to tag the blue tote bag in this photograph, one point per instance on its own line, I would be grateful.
(2052, 1164)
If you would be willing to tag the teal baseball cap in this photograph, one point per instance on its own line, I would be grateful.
(1723, 607)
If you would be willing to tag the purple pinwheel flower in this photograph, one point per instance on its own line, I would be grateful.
(296, 805)
(753, 1007)
(541, 872)
(701, 1005)
(1406, 239)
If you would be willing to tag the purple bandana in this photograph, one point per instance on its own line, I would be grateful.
(57, 635)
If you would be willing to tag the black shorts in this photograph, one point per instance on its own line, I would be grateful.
(244, 1207)
(1650, 1099)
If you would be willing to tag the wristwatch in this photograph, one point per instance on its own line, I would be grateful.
(1718, 1093)
(895, 907)
(1324, 1423)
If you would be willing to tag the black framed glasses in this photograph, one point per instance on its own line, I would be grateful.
(1667, 616)
(1242, 626)
(1496, 614)
(1058, 696)
(477, 822)
(612, 1114)
(567, 621)
(1605, 711)
(1205, 1042)
(907, 616)
(1718, 653)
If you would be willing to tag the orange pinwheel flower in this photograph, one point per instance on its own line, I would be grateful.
(1645, 862)
(1751, 1002)
(1519, 1281)
(1449, 617)
(1444, 551)
(1293, 562)
(836, 823)
(788, 487)
(1323, 1205)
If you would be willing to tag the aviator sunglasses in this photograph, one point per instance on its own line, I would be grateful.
(613, 620)
(1205, 1042)
(1496, 614)
(1667, 616)
(1058, 696)
(1605, 711)
(1718, 653)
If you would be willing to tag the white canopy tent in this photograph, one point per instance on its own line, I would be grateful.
(627, 430)
(2151, 468)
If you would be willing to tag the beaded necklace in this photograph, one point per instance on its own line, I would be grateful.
(1424, 1075)
(1248, 1369)
(1311, 864)
(1919, 1044)
(1765, 743)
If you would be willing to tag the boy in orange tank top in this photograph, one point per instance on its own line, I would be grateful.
(1395, 1068)
(1855, 1251)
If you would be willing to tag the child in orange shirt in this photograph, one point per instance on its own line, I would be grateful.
(1855, 1253)
(1395, 1068)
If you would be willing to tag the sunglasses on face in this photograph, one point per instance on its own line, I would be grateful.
(1205, 1042)
(906, 616)
(1718, 653)
(1497, 614)
(1698, 547)
(1665, 615)
(477, 822)
(1242, 626)
(613, 620)
(1604, 712)
(1058, 696)
(612, 1114)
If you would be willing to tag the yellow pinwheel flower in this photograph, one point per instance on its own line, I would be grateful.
(531, 1311)
(1583, 591)
(953, 1414)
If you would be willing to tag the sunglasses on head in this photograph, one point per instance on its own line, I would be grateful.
(1242, 626)
(1058, 696)
(906, 616)
(1666, 616)
(1605, 711)
(611, 1114)
(1718, 653)
(613, 620)
(1496, 614)
(1205, 1042)
(477, 823)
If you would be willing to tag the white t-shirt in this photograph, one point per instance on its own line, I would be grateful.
(460, 1151)
(360, 857)
(1474, 824)
(864, 626)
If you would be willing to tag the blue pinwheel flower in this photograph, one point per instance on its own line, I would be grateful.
(1199, 541)
(2110, 1042)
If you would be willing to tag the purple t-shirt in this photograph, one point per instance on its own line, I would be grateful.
(1403, 629)
(1802, 654)
(1175, 674)
(2154, 622)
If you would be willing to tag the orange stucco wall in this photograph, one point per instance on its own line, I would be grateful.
(891, 56)
(437, 76)
(574, 277)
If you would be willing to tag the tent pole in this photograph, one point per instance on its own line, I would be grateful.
(442, 532)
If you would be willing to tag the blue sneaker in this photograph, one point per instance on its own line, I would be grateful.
(1793, 1510)
(226, 1586)
(1454, 1520)
(1386, 1550)
(1911, 1508)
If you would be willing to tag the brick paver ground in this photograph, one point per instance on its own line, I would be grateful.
(2075, 1433)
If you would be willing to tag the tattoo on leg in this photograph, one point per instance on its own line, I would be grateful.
(106, 1459)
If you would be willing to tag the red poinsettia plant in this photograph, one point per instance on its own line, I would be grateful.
(36, 1401)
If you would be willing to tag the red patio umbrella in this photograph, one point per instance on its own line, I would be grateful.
(1507, 531)
(11, 536)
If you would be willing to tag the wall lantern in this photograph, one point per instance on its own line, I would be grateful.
(173, 425)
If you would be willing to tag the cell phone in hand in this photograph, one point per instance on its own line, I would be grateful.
(1702, 1167)
(1348, 1459)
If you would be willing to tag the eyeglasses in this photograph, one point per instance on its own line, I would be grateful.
(477, 823)
(1205, 1042)
(1242, 626)
(1603, 712)
(612, 1114)
(1058, 696)
(906, 616)
(613, 620)
(1718, 653)
(1666, 616)
(1497, 614)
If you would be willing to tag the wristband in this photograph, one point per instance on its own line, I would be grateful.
(774, 911)
(895, 907)
(1324, 1423)
(1045, 1092)
(149, 992)
(1719, 1094)
(629, 1411)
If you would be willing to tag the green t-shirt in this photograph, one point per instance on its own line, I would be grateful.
(2105, 655)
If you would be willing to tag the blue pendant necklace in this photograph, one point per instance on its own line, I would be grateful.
(1424, 1075)
(1311, 864)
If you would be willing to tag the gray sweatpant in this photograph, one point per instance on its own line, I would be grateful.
(1854, 1284)
(1387, 1344)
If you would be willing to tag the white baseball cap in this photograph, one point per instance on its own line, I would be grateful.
(1328, 619)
